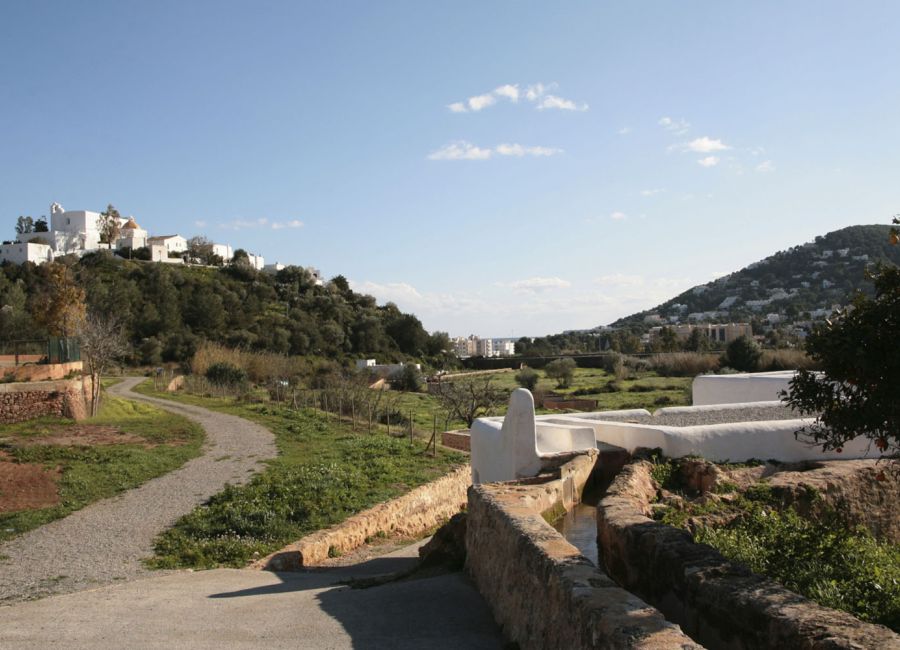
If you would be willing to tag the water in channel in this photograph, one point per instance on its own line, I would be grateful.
(579, 527)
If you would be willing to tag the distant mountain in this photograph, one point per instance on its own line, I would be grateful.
(801, 283)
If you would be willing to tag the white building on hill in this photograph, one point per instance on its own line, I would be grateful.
(172, 243)
(224, 251)
(131, 235)
(19, 253)
(73, 231)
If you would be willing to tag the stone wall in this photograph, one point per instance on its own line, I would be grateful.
(542, 591)
(24, 401)
(459, 439)
(410, 515)
(40, 371)
(720, 604)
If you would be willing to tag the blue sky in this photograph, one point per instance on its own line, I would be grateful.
(505, 168)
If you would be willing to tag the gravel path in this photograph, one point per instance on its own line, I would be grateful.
(105, 541)
(688, 419)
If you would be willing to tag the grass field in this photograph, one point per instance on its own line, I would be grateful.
(157, 442)
(324, 473)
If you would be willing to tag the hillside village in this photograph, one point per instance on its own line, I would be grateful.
(77, 232)
(783, 294)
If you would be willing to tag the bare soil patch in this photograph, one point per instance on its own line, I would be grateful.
(26, 486)
(84, 435)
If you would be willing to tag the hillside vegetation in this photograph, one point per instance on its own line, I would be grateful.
(167, 311)
(794, 282)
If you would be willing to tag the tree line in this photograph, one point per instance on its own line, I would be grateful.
(166, 311)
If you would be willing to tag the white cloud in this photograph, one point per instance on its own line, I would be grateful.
(706, 145)
(481, 101)
(652, 192)
(293, 223)
(200, 223)
(532, 285)
(520, 150)
(552, 101)
(766, 166)
(510, 91)
(618, 216)
(259, 224)
(619, 280)
(461, 150)
(709, 161)
(535, 93)
(678, 127)
(625, 130)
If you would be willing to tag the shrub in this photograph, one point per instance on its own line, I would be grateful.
(821, 559)
(562, 370)
(786, 359)
(743, 354)
(408, 378)
(225, 374)
(527, 378)
(684, 364)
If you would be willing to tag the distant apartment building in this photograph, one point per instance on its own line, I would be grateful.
(472, 345)
(504, 347)
(485, 347)
(718, 333)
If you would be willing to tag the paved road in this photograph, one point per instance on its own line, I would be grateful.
(106, 541)
(230, 608)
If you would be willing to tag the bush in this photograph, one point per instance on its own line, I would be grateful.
(684, 364)
(786, 360)
(225, 374)
(562, 370)
(742, 354)
(408, 379)
(527, 378)
(821, 559)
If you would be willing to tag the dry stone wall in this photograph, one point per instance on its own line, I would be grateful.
(720, 604)
(542, 591)
(25, 401)
(411, 515)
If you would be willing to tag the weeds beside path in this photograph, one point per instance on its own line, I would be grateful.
(324, 473)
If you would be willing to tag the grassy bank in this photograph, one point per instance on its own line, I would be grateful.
(158, 442)
(324, 473)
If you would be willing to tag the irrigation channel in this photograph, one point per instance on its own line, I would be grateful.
(579, 526)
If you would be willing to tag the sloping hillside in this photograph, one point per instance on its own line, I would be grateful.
(802, 282)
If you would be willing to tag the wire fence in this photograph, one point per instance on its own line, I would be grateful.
(32, 351)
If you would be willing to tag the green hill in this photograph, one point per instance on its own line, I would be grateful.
(803, 282)
(166, 310)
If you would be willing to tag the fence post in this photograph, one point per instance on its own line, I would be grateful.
(410, 427)
(369, 428)
(353, 412)
(434, 435)
(388, 412)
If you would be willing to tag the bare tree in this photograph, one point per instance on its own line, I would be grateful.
(101, 344)
(467, 399)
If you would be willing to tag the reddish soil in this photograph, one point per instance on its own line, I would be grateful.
(26, 486)
(83, 434)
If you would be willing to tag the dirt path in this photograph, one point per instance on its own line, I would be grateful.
(105, 541)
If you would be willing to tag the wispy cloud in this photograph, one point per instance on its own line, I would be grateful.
(677, 126)
(625, 130)
(200, 223)
(765, 166)
(706, 145)
(261, 223)
(463, 150)
(619, 280)
(537, 94)
(652, 192)
(536, 284)
(618, 216)
(709, 161)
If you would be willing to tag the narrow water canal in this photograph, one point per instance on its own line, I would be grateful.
(579, 527)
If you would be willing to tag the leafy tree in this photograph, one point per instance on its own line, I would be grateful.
(437, 343)
(667, 341)
(742, 354)
(60, 308)
(24, 226)
(407, 379)
(40, 225)
(562, 370)
(200, 250)
(108, 225)
(527, 378)
(240, 256)
(857, 391)
(467, 399)
(102, 343)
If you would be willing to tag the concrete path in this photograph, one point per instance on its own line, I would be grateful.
(231, 608)
(106, 541)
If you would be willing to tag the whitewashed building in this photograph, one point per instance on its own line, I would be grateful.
(172, 243)
(73, 231)
(131, 235)
(256, 261)
(224, 251)
(21, 252)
